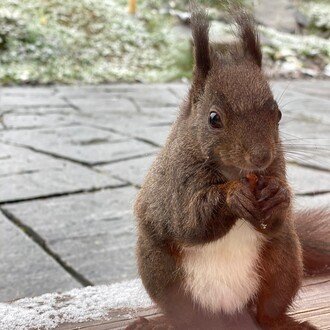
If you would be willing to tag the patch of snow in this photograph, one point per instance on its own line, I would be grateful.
(78, 305)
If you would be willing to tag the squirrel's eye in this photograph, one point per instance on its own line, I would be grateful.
(215, 120)
(279, 116)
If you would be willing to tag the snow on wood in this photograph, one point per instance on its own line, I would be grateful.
(78, 305)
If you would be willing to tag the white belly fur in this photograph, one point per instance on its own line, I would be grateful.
(222, 275)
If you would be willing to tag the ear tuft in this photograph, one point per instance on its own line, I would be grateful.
(200, 33)
(248, 35)
(202, 52)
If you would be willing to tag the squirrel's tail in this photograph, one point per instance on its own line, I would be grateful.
(313, 228)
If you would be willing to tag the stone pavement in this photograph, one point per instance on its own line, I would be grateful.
(73, 158)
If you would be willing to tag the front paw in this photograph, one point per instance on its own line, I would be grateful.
(242, 201)
(273, 197)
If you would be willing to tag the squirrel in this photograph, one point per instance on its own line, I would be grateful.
(217, 233)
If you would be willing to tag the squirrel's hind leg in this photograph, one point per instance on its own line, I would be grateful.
(281, 276)
(164, 281)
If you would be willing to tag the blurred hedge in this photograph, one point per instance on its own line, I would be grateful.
(46, 41)
(93, 41)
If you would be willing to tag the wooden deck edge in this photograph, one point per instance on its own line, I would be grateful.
(116, 319)
(312, 304)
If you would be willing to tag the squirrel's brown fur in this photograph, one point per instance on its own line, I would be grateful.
(196, 189)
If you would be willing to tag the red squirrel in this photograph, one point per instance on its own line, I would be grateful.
(216, 229)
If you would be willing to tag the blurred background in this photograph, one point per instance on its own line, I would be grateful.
(89, 91)
(51, 41)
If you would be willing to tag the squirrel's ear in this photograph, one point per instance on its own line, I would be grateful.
(248, 35)
(202, 52)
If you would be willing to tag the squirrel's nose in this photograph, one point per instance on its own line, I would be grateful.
(259, 157)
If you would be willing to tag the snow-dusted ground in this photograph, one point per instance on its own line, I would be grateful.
(78, 305)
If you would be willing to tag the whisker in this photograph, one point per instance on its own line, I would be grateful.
(283, 92)
(287, 103)
(301, 138)
(306, 148)
(306, 154)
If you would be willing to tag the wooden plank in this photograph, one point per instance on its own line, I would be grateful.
(312, 304)
(242, 321)
(116, 319)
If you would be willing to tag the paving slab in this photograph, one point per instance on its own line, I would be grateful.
(61, 136)
(105, 258)
(25, 174)
(31, 120)
(308, 120)
(305, 129)
(37, 110)
(307, 181)
(83, 144)
(166, 114)
(93, 232)
(16, 160)
(181, 90)
(80, 91)
(152, 128)
(154, 97)
(132, 171)
(29, 100)
(295, 104)
(69, 139)
(109, 104)
(26, 91)
(26, 270)
(153, 134)
(313, 202)
(307, 143)
(121, 99)
(313, 87)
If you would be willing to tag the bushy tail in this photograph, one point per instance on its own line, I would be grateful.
(313, 227)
